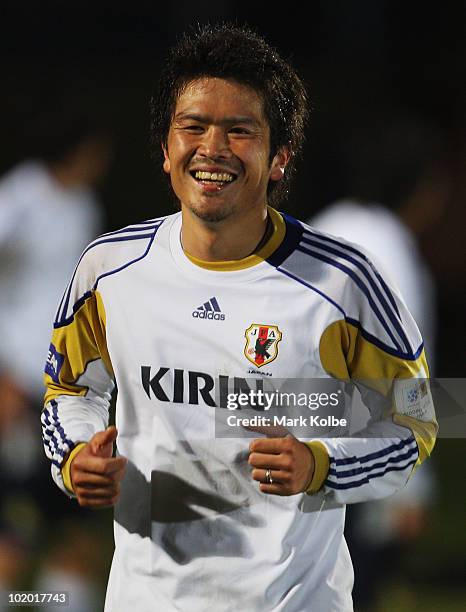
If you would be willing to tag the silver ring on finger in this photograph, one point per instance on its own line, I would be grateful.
(268, 476)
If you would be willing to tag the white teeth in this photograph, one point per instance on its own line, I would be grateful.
(223, 177)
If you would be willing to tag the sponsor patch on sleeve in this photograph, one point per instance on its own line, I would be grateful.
(54, 363)
(414, 399)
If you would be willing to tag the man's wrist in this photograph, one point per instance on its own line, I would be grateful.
(66, 467)
(321, 465)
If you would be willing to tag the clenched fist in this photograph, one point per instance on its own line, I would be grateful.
(291, 465)
(95, 474)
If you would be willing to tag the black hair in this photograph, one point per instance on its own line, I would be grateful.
(235, 53)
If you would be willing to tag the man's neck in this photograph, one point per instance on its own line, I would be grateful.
(228, 240)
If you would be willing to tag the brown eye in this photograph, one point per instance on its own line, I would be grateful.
(239, 130)
(196, 129)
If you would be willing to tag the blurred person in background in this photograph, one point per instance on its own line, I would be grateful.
(49, 210)
(399, 188)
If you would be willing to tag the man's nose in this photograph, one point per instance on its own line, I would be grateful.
(215, 143)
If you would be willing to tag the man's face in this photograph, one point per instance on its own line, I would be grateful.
(218, 150)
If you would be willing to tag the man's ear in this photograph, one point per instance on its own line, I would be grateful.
(279, 162)
(166, 160)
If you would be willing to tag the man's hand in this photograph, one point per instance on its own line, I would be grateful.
(291, 464)
(95, 474)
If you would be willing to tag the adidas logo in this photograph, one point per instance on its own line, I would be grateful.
(209, 310)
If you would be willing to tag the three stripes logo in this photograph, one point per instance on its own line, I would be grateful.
(209, 310)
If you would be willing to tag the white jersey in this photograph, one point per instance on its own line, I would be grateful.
(192, 530)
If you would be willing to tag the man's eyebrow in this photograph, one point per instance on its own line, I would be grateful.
(208, 119)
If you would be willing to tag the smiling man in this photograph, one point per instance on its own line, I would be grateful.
(218, 157)
(184, 309)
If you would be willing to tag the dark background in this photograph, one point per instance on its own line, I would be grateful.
(359, 59)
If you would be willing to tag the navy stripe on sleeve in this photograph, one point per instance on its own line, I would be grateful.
(394, 460)
(381, 464)
(393, 316)
(366, 479)
(57, 444)
(361, 286)
(375, 455)
(351, 249)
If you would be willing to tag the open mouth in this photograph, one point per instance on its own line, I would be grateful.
(213, 178)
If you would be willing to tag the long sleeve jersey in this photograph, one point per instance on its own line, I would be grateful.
(192, 530)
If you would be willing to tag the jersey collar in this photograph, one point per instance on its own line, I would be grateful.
(272, 244)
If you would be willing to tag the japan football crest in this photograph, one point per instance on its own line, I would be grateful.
(262, 343)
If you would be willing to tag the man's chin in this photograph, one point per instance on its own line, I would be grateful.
(211, 213)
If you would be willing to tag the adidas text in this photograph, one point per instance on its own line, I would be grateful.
(203, 314)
